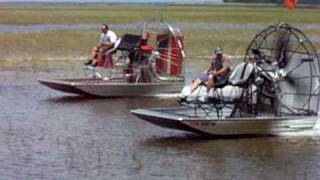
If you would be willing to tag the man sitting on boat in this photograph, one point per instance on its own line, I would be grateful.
(217, 72)
(107, 41)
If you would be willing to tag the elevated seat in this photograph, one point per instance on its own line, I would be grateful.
(226, 93)
(238, 78)
(230, 92)
(241, 74)
(129, 42)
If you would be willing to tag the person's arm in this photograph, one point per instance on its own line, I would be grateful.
(210, 68)
(108, 44)
(222, 71)
(99, 44)
(226, 66)
(206, 70)
(113, 37)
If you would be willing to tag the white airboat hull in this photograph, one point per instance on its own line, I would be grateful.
(112, 88)
(177, 118)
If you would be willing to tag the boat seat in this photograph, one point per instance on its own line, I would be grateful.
(239, 77)
(219, 84)
(129, 42)
(228, 92)
(222, 83)
(241, 74)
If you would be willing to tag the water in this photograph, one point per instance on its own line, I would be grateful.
(39, 28)
(45, 134)
(13, 28)
(194, 26)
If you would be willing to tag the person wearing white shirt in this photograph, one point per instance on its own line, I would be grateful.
(107, 40)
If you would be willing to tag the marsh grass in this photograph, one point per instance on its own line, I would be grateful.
(65, 14)
(69, 43)
(71, 46)
(23, 49)
(58, 44)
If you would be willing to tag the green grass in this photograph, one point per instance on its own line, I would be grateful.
(62, 14)
(71, 45)
(64, 44)
(202, 42)
(55, 44)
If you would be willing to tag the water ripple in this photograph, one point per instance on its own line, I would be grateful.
(46, 136)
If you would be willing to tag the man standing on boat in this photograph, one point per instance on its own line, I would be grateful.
(107, 41)
(217, 72)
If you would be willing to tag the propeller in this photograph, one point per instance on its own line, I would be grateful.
(288, 64)
(282, 38)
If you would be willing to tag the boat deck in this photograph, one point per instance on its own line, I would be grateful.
(195, 113)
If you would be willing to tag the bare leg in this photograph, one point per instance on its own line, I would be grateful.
(94, 52)
(210, 84)
(195, 84)
(101, 53)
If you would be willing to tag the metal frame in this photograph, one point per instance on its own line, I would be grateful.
(143, 63)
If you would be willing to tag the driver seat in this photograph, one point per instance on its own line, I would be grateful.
(241, 74)
(239, 78)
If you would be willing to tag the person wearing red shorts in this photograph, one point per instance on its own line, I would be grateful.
(107, 41)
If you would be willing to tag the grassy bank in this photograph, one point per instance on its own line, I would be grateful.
(71, 45)
(63, 14)
(79, 43)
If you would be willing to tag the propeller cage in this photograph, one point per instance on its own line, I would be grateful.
(288, 63)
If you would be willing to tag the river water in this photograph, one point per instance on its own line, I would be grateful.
(14, 28)
(45, 134)
(39, 28)
(202, 26)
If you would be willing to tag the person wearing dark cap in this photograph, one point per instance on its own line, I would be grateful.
(218, 70)
(107, 40)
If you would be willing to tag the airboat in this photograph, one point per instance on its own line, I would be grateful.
(274, 90)
(147, 63)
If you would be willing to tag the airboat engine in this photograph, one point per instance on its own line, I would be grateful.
(287, 70)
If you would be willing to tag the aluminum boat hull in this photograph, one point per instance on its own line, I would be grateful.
(112, 88)
(177, 118)
(67, 86)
